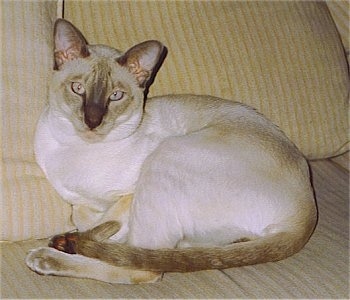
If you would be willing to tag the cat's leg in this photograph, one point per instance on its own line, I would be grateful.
(67, 242)
(86, 217)
(49, 261)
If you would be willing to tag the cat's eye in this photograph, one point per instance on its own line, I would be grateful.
(117, 95)
(78, 88)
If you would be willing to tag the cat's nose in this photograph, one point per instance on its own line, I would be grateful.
(93, 115)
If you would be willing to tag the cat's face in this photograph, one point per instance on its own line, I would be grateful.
(97, 88)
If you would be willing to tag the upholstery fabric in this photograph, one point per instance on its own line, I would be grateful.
(283, 57)
(343, 160)
(319, 271)
(30, 207)
(340, 11)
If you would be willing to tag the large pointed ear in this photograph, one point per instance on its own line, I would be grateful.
(69, 43)
(143, 60)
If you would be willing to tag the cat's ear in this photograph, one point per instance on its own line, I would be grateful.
(143, 60)
(69, 43)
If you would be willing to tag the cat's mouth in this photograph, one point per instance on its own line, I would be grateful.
(91, 136)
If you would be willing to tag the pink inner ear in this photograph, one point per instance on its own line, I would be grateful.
(132, 63)
(141, 75)
(142, 59)
(70, 44)
(62, 56)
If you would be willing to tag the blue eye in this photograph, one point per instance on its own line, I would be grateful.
(117, 95)
(78, 88)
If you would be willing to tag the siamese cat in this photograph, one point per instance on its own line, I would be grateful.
(214, 184)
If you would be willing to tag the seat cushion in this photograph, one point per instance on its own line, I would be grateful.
(319, 271)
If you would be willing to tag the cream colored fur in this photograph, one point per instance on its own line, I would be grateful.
(205, 172)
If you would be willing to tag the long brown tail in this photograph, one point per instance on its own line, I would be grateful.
(265, 249)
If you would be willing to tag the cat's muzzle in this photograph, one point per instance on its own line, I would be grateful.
(93, 115)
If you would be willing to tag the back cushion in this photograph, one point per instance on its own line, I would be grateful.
(284, 58)
(30, 207)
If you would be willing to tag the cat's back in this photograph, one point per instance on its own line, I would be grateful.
(188, 113)
(222, 123)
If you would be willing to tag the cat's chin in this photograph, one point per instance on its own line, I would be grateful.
(91, 136)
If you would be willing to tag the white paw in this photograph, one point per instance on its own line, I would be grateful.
(44, 260)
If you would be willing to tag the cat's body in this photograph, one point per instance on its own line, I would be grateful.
(205, 172)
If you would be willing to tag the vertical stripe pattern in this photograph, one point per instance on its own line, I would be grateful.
(30, 208)
(340, 10)
(284, 58)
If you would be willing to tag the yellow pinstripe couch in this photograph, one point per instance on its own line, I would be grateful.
(287, 59)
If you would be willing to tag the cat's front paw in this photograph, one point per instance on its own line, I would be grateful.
(44, 261)
(65, 242)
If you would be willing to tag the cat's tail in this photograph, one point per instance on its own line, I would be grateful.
(269, 248)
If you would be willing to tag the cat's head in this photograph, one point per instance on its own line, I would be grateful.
(97, 88)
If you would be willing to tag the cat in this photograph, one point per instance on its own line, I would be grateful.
(179, 182)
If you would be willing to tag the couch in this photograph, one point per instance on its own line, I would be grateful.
(287, 59)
